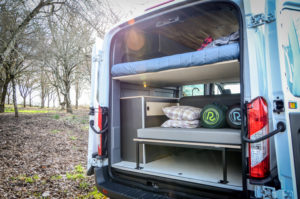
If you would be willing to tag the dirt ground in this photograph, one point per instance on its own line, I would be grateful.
(43, 155)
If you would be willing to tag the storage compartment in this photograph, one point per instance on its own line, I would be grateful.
(152, 62)
(141, 112)
(193, 165)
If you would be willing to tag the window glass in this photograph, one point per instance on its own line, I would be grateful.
(292, 51)
(193, 90)
(234, 88)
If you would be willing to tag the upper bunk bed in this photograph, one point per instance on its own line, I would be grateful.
(170, 49)
(213, 58)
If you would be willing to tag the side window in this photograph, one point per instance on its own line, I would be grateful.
(292, 51)
(193, 90)
(233, 88)
(216, 90)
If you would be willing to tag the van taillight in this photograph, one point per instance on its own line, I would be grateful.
(258, 126)
(100, 127)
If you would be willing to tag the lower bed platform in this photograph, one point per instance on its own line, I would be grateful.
(193, 165)
(198, 135)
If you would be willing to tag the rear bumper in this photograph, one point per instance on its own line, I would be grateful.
(115, 190)
(121, 187)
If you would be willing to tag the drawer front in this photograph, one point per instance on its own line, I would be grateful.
(155, 108)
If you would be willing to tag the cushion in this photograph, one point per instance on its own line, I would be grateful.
(182, 112)
(181, 124)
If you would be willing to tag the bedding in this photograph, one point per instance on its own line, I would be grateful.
(181, 124)
(196, 58)
(182, 112)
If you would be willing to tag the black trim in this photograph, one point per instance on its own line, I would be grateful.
(181, 187)
(271, 181)
(295, 133)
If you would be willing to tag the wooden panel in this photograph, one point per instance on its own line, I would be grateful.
(194, 30)
(155, 108)
(131, 120)
(227, 71)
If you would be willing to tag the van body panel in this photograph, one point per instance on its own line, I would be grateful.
(265, 71)
(287, 12)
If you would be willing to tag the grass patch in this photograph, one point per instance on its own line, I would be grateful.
(56, 116)
(12, 110)
(78, 173)
(26, 179)
(36, 177)
(73, 137)
(94, 194)
(57, 177)
(55, 131)
(84, 185)
(29, 180)
(75, 176)
(79, 169)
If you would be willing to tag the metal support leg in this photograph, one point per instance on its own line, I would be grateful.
(138, 156)
(224, 165)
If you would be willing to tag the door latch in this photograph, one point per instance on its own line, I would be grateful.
(278, 106)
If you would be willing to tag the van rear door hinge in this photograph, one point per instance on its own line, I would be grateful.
(260, 19)
(266, 192)
(96, 162)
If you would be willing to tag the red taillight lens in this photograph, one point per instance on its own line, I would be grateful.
(100, 127)
(258, 125)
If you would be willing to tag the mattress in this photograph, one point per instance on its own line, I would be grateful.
(204, 135)
(196, 58)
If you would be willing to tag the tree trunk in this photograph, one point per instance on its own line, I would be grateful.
(8, 98)
(76, 94)
(42, 94)
(68, 103)
(67, 97)
(3, 95)
(48, 96)
(58, 95)
(15, 98)
(53, 102)
(24, 102)
(30, 98)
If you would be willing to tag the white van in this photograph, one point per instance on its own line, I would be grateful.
(212, 56)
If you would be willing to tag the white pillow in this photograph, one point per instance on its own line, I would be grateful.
(182, 112)
(180, 124)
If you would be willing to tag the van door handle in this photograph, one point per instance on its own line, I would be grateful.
(92, 123)
(280, 128)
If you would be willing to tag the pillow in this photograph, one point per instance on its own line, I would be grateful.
(180, 124)
(182, 112)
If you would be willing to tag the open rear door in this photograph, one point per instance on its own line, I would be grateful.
(273, 32)
(288, 34)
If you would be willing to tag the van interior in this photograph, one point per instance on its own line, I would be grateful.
(162, 62)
